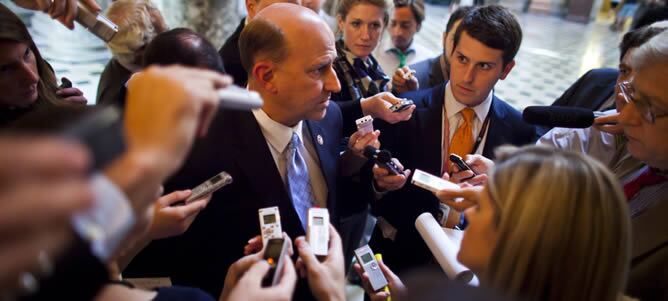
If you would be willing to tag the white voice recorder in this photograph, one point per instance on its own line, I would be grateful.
(270, 224)
(209, 186)
(368, 262)
(431, 182)
(318, 230)
(238, 98)
(365, 124)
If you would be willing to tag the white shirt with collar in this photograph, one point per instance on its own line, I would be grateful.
(389, 61)
(452, 118)
(278, 136)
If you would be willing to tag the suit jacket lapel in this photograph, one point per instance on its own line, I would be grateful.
(430, 119)
(649, 230)
(327, 161)
(497, 129)
(257, 163)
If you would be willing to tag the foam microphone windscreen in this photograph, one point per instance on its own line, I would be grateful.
(556, 116)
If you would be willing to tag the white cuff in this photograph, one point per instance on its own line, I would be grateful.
(107, 222)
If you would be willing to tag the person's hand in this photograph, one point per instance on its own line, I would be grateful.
(460, 199)
(63, 10)
(358, 142)
(404, 80)
(395, 284)
(72, 95)
(378, 106)
(171, 220)
(244, 280)
(43, 183)
(609, 124)
(479, 164)
(254, 245)
(326, 279)
(180, 103)
(385, 181)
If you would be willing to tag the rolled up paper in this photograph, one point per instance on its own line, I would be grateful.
(444, 250)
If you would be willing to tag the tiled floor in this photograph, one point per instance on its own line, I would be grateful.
(553, 55)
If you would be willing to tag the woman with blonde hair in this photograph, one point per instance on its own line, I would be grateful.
(547, 225)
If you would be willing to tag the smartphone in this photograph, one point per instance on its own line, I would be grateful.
(457, 160)
(401, 106)
(209, 186)
(274, 254)
(431, 182)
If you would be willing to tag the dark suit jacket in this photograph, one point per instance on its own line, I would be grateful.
(590, 91)
(111, 88)
(429, 72)
(231, 57)
(235, 144)
(648, 276)
(417, 145)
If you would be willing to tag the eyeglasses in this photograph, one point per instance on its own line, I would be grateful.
(643, 106)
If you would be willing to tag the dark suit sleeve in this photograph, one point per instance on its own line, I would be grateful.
(567, 98)
(350, 111)
(77, 275)
(232, 58)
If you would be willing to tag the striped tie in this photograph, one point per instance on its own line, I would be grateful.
(299, 183)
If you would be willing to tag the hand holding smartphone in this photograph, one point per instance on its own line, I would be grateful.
(275, 254)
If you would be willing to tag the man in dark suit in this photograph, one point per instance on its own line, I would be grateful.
(230, 50)
(292, 141)
(461, 116)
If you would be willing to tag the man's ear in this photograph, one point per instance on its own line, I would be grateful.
(250, 9)
(263, 73)
(419, 25)
(507, 69)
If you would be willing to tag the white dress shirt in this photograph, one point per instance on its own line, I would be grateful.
(389, 61)
(278, 137)
(452, 118)
(107, 222)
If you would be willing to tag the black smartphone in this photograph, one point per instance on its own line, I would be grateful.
(402, 105)
(274, 254)
(457, 160)
(65, 83)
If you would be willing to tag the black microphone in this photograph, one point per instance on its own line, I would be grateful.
(556, 116)
(383, 158)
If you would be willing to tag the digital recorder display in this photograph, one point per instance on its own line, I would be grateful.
(269, 219)
(318, 221)
(366, 258)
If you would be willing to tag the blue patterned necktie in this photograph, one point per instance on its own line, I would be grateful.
(299, 183)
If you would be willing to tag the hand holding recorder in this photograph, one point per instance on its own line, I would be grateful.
(326, 276)
(388, 173)
(404, 80)
(395, 285)
(378, 106)
(244, 280)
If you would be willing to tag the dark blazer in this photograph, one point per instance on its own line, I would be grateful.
(231, 57)
(111, 88)
(235, 143)
(429, 73)
(590, 91)
(417, 145)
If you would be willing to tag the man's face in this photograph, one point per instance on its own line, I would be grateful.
(314, 5)
(475, 69)
(18, 74)
(449, 40)
(362, 28)
(403, 27)
(306, 78)
(646, 141)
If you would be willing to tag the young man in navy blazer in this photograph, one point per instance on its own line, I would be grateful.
(485, 45)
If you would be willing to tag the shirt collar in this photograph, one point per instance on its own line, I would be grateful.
(452, 106)
(410, 50)
(277, 134)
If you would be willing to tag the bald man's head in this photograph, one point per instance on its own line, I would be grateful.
(277, 29)
(288, 52)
